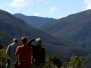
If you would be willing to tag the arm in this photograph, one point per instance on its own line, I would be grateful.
(17, 51)
(31, 52)
(29, 43)
(8, 50)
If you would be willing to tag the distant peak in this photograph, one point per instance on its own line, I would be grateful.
(19, 14)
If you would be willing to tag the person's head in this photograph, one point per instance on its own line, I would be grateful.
(15, 40)
(38, 41)
(24, 40)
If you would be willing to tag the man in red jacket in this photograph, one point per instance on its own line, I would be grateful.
(24, 54)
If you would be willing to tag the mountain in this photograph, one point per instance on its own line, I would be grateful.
(5, 39)
(34, 20)
(17, 28)
(87, 62)
(75, 28)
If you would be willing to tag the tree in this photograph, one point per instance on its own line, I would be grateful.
(64, 65)
(53, 61)
(3, 57)
(76, 62)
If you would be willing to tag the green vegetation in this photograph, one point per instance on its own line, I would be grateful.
(75, 62)
(52, 61)
(3, 57)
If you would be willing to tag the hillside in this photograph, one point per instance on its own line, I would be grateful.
(17, 28)
(87, 62)
(5, 39)
(75, 28)
(34, 20)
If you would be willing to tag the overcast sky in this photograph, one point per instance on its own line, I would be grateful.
(45, 8)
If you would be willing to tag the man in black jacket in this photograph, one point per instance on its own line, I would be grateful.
(38, 53)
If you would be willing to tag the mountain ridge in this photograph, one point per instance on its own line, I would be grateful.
(34, 20)
(75, 28)
(17, 28)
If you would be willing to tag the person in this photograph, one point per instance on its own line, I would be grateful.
(7, 63)
(11, 52)
(24, 54)
(38, 53)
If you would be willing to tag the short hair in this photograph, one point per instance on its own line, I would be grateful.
(24, 39)
(15, 40)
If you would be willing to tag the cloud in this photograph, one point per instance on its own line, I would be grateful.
(19, 4)
(36, 14)
(53, 9)
(40, 1)
(88, 4)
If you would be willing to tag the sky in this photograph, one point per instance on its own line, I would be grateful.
(45, 8)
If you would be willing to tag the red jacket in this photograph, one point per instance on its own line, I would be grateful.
(24, 54)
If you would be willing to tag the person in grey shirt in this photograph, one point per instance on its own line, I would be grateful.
(11, 52)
